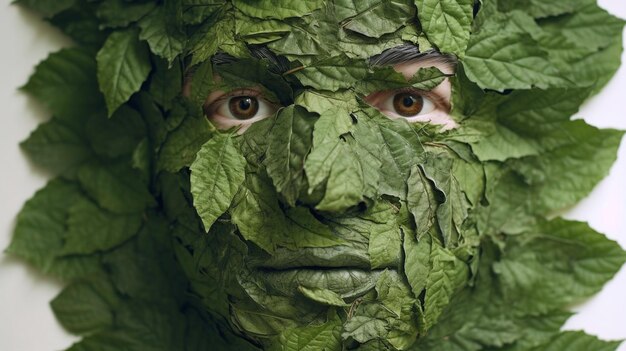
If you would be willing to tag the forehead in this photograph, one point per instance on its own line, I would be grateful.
(311, 30)
(403, 57)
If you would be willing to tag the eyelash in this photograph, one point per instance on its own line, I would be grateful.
(212, 107)
(438, 100)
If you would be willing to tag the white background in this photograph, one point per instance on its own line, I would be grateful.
(26, 321)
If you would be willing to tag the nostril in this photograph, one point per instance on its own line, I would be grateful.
(362, 206)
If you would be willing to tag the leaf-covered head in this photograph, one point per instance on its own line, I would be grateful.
(341, 174)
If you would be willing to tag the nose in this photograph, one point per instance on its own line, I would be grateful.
(338, 160)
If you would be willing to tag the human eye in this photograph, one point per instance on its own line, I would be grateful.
(412, 104)
(239, 108)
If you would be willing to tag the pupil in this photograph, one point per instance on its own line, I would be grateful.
(245, 103)
(408, 104)
(408, 101)
(243, 107)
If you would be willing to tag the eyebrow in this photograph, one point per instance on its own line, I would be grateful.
(408, 53)
(397, 55)
(277, 64)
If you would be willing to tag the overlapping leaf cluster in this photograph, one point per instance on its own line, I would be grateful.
(173, 235)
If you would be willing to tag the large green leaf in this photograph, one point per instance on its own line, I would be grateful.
(56, 146)
(290, 142)
(374, 18)
(447, 23)
(47, 8)
(66, 82)
(216, 175)
(500, 61)
(85, 307)
(324, 336)
(163, 30)
(40, 231)
(278, 9)
(556, 264)
(123, 66)
(91, 229)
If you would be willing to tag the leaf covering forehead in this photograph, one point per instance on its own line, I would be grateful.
(327, 226)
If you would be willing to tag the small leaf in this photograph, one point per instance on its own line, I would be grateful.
(123, 66)
(216, 175)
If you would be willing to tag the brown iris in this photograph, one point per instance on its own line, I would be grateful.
(408, 104)
(243, 107)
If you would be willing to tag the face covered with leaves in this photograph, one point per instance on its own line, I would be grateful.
(336, 174)
(341, 195)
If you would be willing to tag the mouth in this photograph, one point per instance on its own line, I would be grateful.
(314, 258)
(344, 270)
(347, 282)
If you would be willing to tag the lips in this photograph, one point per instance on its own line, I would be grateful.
(348, 282)
(328, 257)
(345, 270)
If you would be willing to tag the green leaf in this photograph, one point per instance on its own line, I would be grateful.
(278, 9)
(260, 219)
(56, 146)
(257, 215)
(163, 30)
(183, 143)
(255, 31)
(555, 264)
(447, 275)
(540, 8)
(374, 18)
(421, 200)
(40, 230)
(308, 231)
(216, 175)
(196, 11)
(115, 187)
(452, 212)
(523, 121)
(566, 174)
(447, 23)
(385, 239)
(85, 307)
(117, 135)
(66, 83)
(290, 142)
(396, 297)
(123, 66)
(166, 83)
(576, 341)
(120, 13)
(212, 264)
(323, 296)
(400, 149)
(328, 128)
(324, 336)
(387, 78)
(322, 101)
(503, 60)
(217, 33)
(590, 26)
(81, 24)
(416, 261)
(347, 169)
(368, 325)
(91, 229)
(47, 8)
(332, 74)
